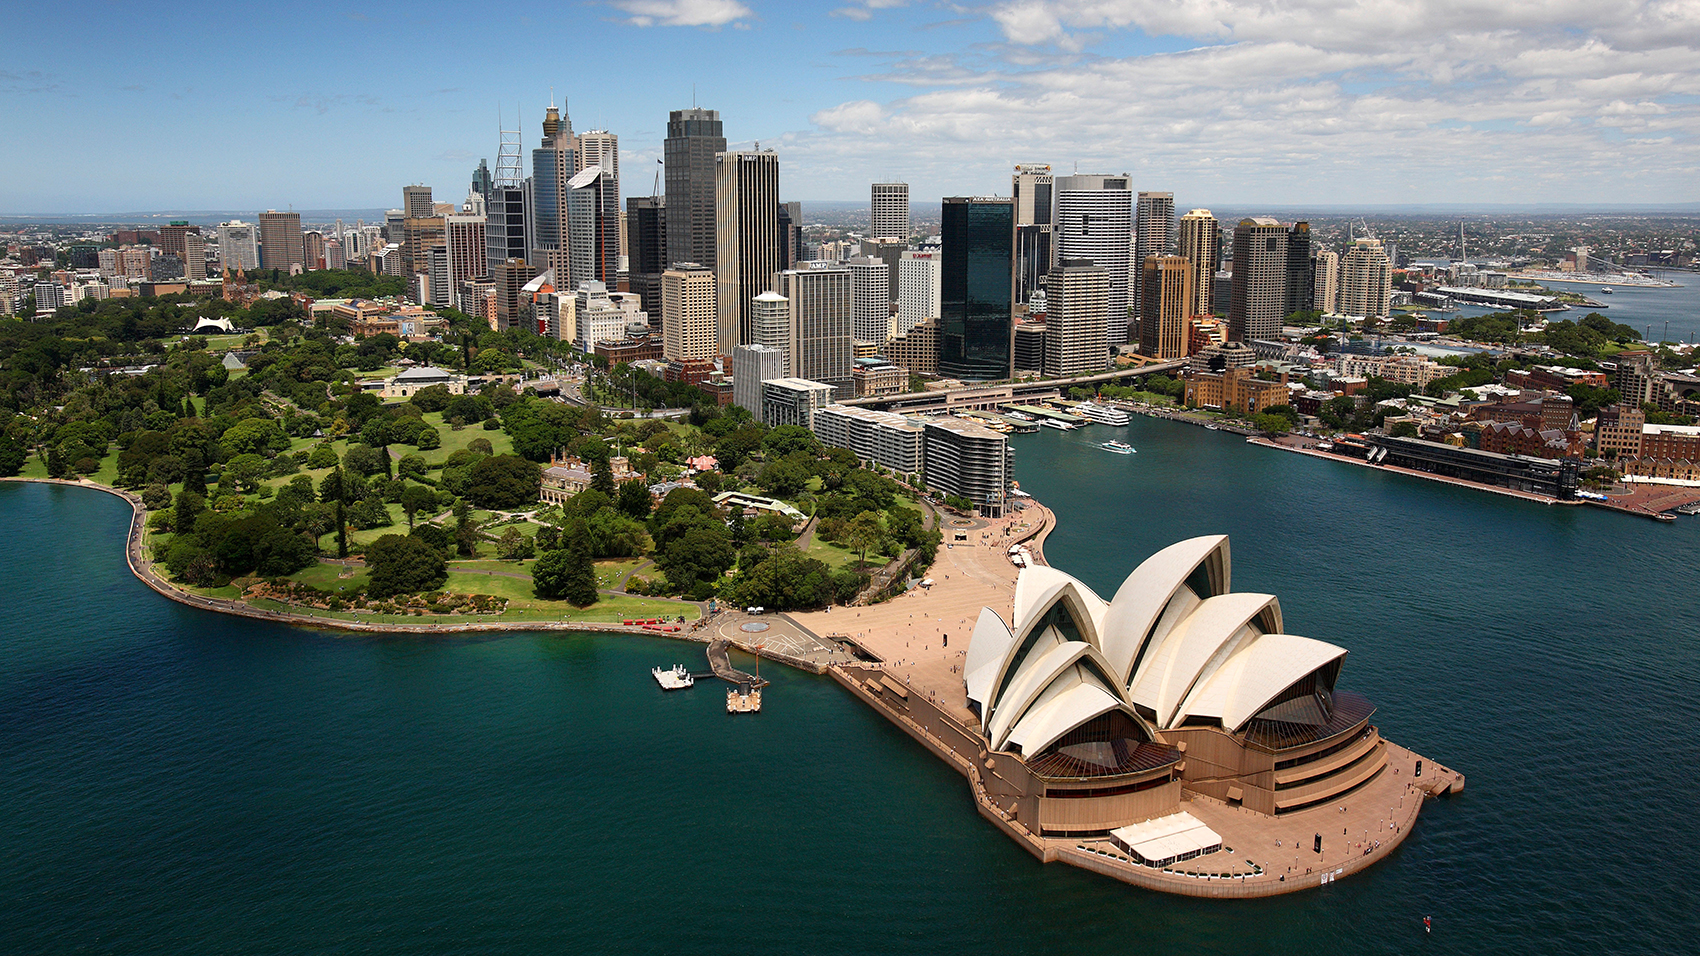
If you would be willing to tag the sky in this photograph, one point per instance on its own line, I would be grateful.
(115, 107)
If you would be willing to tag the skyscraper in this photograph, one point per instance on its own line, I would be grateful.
(975, 287)
(184, 241)
(917, 290)
(482, 181)
(465, 242)
(437, 268)
(553, 165)
(1095, 221)
(1154, 234)
(416, 202)
(1167, 297)
(506, 232)
(752, 365)
(646, 245)
(746, 230)
(598, 147)
(1299, 283)
(238, 245)
(420, 237)
(1325, 281)
(821, 349)
(1034, 192)
(694, 137)
(313, 250)
(890, 211)
(280, 240)
(593, 229)
(1366, 281)
(512, 307)
(1077, 297)
(790, 234)
(770, 326)
(1201, 244)
(870, 299)
(1259, 299)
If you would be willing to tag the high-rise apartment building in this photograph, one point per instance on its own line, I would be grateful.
(690, 317)
(1325, 281)
(420, 237)
(770, 325)
(751, 366)
(598, 147)
(917, 290)
(313, 250)
(1200, 242)
(1077, 297)
(1153, 235)
(1366, 281)
(184, 241)
(976, 285)
(238, 245)
(416, 202)
(280, 240)
(646, 250)
(821, 349)
(1094, 221)
(1165, 306)
(593, 228)
(694, 138)
(335, 258)
(440, 289)
(1299, 286)
(1035, 206)
(890, 211)
(746, 230)
(465, 243)
(1258, 304)
(870, 299)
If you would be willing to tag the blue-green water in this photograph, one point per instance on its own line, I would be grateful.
(186, 783)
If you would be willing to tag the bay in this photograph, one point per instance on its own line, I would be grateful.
(182, 782)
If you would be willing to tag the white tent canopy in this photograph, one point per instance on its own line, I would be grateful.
(1167, 840)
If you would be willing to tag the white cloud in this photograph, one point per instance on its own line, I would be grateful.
(1305, 100)
(683, 13)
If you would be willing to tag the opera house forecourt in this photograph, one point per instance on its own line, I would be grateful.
(1175, 736)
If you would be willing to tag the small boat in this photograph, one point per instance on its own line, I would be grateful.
(1119, 447)
(1661, 516)
(1054, 423)
(1214, 427)
(1605, 290)
(676, 679)
(1018, 416)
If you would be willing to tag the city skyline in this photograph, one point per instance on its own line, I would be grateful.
(1224, 105)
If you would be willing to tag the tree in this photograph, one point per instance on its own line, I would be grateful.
(12, 456)
(864, 533)
(785, 478)
(403, 564)
(634, 498)
(514, 546)
(503, 481)
(364, 460)
(428, 439)
(1271, 424)
(432, 398)
(414, 499)
(790, 439)
(567, 574)
(602, 477)
(322, 456)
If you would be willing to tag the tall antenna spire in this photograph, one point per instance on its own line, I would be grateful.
(510, 163)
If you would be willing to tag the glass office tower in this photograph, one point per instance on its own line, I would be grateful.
(976, 286)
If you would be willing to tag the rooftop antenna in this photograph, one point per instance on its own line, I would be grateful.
(510, 163)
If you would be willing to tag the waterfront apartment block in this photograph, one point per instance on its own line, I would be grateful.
(970, 460)
(883, 438)
(793, 401)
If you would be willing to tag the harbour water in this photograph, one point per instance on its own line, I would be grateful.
(186, 783)
(1646, 309)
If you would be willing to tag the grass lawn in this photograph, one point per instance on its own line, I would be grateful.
(326, 577)
(454, 441)
(833, 555)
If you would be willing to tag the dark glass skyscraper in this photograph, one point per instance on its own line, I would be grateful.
(693, 137)
(976, 284)
(1301, 282)
(646, 244)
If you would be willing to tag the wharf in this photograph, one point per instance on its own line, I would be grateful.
(1052, 414)
(720, 661)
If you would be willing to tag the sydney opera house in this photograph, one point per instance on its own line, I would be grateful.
(1097, 715)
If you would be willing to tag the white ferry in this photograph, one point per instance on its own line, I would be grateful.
(676, 679)
(1605, 290)
(1056, 423)
(1119, 447)
(1102, 414)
